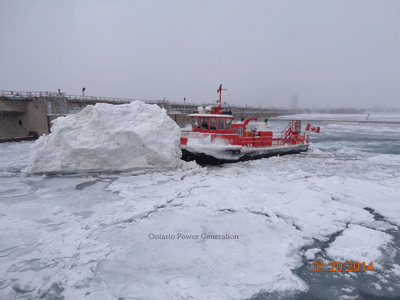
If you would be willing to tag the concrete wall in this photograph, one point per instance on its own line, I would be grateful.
(19, 117)
(50, 118)
(181, 119)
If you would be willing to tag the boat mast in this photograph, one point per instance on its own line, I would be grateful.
(220, 89)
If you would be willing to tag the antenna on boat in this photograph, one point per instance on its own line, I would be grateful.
(220, 89)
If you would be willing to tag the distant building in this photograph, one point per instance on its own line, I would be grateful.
(294, 102)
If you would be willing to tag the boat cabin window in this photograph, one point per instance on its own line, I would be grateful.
(228, 124)
(212, 124)
(234, 130)
(204, 124)
(240, 131)
(196, 122)
(220, 123)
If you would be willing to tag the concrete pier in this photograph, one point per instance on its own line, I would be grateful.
(22, 118)
(24, 115)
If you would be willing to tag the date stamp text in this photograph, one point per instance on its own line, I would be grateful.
(339, 266)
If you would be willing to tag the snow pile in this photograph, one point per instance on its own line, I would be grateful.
(109, 137)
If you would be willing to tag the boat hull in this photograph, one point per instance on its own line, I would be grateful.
(240, 154)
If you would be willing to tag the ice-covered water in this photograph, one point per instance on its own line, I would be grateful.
(110, 236)
(374, 117)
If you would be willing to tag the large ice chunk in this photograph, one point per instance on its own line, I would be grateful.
(109, 137)
(358, 243)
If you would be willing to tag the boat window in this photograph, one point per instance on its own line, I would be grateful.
(228, 124)
(212, 124)
(234, 130)
(196, 122)
(220, 123)
(204, 123)
(240, 131)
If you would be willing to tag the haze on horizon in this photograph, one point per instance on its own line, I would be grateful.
(329, 53)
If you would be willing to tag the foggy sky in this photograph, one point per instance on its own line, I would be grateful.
(330, 53)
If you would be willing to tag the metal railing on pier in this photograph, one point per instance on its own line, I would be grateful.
(63, 103)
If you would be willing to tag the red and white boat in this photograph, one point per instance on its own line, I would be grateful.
(215, 138)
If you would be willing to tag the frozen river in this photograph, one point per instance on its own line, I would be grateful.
(239, 231)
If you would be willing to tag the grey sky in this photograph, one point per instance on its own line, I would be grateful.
(330, 53)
